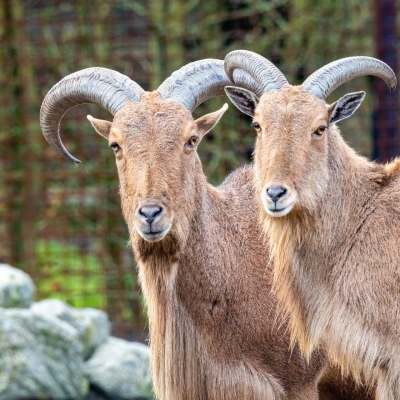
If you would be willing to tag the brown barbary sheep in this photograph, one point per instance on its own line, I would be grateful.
(332, 217)
(213, 325)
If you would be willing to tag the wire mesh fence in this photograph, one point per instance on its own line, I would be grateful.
(62, 223)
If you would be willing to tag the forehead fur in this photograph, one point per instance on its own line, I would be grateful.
(151, 112)
(288, 105)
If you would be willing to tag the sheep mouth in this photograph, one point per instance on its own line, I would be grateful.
(279, 208)
(154, 236)
(279, 212)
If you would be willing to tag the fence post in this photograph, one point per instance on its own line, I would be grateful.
(386, 105)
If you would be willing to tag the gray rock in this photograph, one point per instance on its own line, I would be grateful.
(40, 358)
(121, 369)
(92, 325)
(16, 288)
(98, 328)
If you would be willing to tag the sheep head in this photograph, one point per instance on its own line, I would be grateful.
(296, 127)
(155, 145)
(154, 138)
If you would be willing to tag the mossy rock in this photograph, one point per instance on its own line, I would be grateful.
(93, 325)
(40, 358)
(120, 369)
(16, 288)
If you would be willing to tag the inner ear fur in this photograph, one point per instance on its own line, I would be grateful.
(205, 123)
(345, 106)
(243, 99)
(101, 126)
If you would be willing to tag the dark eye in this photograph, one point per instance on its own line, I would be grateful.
(115, 147)
(256, 126)
(320, 131)
(192, 142)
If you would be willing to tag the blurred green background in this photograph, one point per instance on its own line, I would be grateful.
(62, 223)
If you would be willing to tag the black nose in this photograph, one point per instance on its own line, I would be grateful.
(150, 213)
(276, 192)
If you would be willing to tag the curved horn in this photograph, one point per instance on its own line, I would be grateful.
(198, 81)
(104, 87)
(259, 68)
(326, 79)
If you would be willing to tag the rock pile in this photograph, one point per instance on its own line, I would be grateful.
(49, 350)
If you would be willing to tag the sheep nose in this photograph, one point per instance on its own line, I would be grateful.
(150, 213)
(276, 192)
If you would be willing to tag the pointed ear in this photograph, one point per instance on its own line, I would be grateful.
(243, 99)
(345, 106)
(205, 123)
(101, 126)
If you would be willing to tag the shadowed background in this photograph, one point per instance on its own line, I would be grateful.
(62, 223)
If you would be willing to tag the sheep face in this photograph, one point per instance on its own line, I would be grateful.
(291, 150)
(155, 145)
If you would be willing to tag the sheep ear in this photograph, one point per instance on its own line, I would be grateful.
(243, 99)
(101, 126)
(205, 123)
(345, 106)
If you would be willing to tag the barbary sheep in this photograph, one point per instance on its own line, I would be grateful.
(332, 217)
(214, 333)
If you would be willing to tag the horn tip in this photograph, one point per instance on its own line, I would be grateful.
(71, 158)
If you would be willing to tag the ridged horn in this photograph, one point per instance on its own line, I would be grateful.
(198, 81)
(259, 68)
(107, 88)
(326, 79)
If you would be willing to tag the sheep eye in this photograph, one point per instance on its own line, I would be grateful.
(320, 131)
(115, 147)
(256, 126)
(192, 142)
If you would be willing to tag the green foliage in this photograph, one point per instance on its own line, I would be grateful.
(68, 274)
